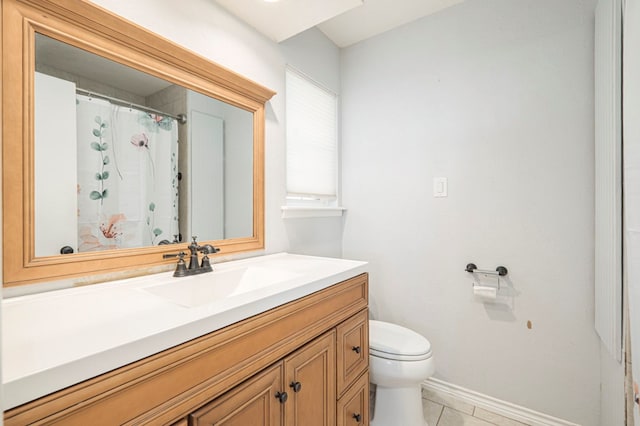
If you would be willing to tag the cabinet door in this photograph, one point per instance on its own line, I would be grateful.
(310, 378)
(252, 403)
(353, 407)
(353, 349)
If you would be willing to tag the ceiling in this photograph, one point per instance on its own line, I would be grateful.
(345, 22)
(54, 56)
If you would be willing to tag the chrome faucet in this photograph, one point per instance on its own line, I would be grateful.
(194, 267)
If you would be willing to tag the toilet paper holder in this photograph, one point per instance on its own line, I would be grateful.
(501, 271)
(482, 290)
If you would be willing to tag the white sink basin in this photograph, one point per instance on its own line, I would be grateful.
(210, 287)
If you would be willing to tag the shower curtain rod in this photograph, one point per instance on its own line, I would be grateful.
(180, 118)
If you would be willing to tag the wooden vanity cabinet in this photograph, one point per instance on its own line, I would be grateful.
(314, 349)
(301, 390)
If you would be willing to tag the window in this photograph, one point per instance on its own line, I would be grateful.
(312, 142)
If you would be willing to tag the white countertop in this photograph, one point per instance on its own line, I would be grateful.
(56, 339)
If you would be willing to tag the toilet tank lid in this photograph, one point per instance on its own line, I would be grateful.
(395, 339)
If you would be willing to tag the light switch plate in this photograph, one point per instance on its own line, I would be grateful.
(440, 187)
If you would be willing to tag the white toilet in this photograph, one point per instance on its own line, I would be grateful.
(399, 361)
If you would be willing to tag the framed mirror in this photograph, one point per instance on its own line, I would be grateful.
(118, 146)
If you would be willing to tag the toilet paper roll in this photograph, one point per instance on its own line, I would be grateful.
(485, 293)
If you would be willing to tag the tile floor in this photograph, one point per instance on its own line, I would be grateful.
(443, 410)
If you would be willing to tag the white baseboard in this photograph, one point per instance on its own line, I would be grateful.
(494, 405)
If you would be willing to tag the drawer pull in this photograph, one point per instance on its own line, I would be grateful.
(357, 417)
(282, 397)
(296, 386)
(357, 350)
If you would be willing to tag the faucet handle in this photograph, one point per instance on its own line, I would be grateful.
(181, 255)
(181, 268)
(193, 247)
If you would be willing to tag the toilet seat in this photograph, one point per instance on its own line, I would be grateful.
(394, 342)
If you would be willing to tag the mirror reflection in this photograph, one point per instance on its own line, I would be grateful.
(124, 159)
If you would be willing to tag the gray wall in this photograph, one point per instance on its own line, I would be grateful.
(207, 29)
(497, 96)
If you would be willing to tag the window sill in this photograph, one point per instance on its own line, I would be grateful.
(292, 212)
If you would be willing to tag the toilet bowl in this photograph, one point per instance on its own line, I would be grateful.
(399, 361)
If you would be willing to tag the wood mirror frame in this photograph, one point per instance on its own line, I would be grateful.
(89, 27)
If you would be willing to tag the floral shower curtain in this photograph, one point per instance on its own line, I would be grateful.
(127, 176)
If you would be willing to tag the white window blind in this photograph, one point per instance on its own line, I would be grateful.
(312, 139)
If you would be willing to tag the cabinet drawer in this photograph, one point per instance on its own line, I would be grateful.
(352, 350)
(353, 407)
